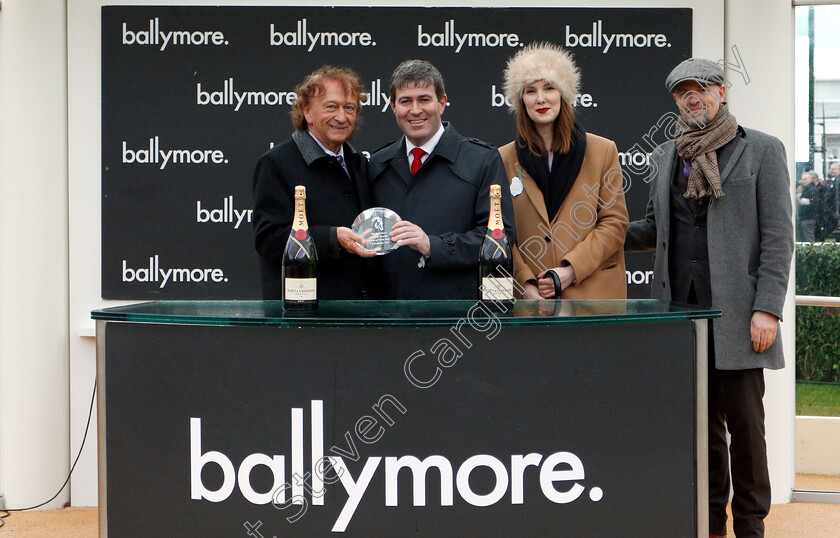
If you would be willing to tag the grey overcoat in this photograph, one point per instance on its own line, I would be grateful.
(750, 243)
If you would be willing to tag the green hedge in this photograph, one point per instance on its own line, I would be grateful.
(818, 328)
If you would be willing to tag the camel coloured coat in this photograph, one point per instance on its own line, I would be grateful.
(587, 231)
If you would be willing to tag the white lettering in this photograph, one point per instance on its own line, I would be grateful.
(450, 38)
(555, 468)
(418, 474)
(197, 463)
(463, 480)
(634, 159)
(518, 464)
(498, 99)
(155, 155)
(155, 273)
(549, 474)
(228, 96)
(355, 489)
(639, 277)
(302, 37)
(155, 36)
(277, 467)
(585, 100)
(605, 41)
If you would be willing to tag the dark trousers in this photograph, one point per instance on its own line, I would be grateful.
(735, 403)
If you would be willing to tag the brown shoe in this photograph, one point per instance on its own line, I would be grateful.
(717, 536)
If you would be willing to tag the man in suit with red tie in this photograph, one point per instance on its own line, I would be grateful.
(439, 183)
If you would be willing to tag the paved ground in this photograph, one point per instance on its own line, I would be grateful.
(798, 520)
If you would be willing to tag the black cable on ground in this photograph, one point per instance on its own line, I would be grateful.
(84, 438)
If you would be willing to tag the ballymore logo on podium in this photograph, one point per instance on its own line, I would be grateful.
(558, 477)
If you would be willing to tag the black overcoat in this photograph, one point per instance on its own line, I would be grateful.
(449, 198)
(332, 199)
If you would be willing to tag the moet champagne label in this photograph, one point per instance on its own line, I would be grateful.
(497, 288)
(301, 289)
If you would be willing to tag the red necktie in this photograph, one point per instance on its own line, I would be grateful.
(415, 164)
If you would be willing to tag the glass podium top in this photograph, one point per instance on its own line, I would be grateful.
(403, 313)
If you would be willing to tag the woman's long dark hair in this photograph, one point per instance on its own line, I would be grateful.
(561, 132)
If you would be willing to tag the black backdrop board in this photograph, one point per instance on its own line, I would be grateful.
(192, 96)
(618, 397)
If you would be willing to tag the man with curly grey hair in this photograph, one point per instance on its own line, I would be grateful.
(719, 217)
(319, 157)
(439, 183)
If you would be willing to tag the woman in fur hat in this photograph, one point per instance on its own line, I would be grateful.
(566, 185)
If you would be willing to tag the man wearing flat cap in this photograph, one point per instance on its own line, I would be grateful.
(719, 217)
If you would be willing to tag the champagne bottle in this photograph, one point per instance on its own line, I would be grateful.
(300, 262)
(495, 263)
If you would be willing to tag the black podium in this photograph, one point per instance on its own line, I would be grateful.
(442, 418)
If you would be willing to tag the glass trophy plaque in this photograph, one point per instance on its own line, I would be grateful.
(375, 225)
